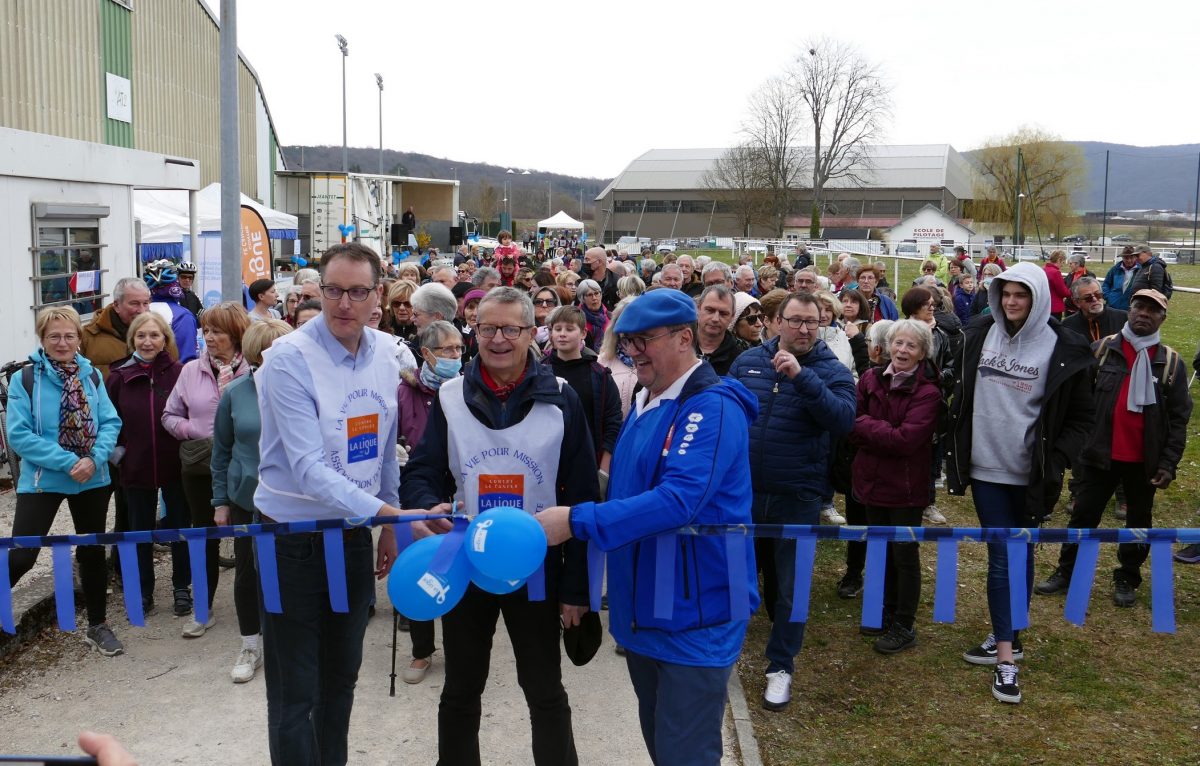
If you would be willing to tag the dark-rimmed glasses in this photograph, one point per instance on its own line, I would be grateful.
(509, 331)
(638, 342)
(797, 322)
(357, 294)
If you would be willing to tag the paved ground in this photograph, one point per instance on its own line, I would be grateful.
(171, 701)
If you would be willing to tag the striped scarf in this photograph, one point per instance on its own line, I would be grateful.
(76, 426)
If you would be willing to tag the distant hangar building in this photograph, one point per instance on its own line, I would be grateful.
(663, 194)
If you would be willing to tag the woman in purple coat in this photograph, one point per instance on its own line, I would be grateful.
(149, 456)
(897, 415)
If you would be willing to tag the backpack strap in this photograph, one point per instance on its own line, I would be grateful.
(27, 379)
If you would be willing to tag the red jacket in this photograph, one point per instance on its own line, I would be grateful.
(894, 435)
(1058, 288)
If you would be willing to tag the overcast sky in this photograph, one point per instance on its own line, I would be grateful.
(583, 88)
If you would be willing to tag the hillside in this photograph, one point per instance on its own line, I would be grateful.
(480, 182)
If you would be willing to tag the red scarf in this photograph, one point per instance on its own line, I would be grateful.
(502, 392)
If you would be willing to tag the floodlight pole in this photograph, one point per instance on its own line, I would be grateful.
(345, 48)
(379, 81)
(231, 185)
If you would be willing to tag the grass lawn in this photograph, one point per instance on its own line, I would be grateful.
(1111, 692)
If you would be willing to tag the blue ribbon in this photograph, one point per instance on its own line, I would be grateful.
(335, 570)
(596, 560)
(448, 549)
(1082, 576)
(872, 607)
(1018, 593)
(64, 586)
(945, 594)
(739, 590)
(664, 576)
(268, 572)
(806, 553)
(535, 585)
(127, 553)
(1162, 586)
(197, 551)
(6, 608)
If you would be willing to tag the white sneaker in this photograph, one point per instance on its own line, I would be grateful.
(194, 629)
(248, 661)
(933, 516)
(829, 515)
(779, 691)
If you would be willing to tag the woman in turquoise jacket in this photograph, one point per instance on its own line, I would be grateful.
(64, 427)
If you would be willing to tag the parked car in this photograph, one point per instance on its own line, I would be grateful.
(1025, 254)
(1167, 256)
(1074, 239)
(908, 249)
(1122, 238)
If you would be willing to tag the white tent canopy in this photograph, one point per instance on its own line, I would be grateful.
(560, 221)
(164, 213)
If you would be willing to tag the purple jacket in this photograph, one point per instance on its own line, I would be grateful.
(894, 434)
(140, 392)
(414, 401)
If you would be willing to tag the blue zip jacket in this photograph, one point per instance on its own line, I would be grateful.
(33, 429)
(790, 441)
(682, 462)
(1114, 296)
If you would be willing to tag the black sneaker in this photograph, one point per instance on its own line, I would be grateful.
(896, 640)
(148, 607)
(1189, 554)
(850, 587)
(1057, 582)
(183, 602)
(100, 637)
(1004, 683)
(1124, 595)
(985, 653)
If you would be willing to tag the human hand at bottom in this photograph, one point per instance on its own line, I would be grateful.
(105, 749)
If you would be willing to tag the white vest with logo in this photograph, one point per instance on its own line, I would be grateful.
(515, 466)
(356, 409)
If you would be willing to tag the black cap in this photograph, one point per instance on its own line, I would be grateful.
(582, 641)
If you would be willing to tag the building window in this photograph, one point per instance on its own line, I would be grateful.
(66, 257)
(662, 205)
(696, 206)
(627, 206)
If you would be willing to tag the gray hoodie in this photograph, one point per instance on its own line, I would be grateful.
(1011, 383)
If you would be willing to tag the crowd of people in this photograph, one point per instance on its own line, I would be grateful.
(618, 398)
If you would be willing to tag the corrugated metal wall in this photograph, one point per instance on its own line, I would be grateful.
(50, 73)
(116, 56)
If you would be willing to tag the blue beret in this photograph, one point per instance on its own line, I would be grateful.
(658, 308)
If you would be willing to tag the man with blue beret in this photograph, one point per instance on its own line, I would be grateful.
(681, 459)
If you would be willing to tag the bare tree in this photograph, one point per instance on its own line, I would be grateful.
(1053, 171)
(737, 180)
(773, 129)
(848, 103)
(489, 202)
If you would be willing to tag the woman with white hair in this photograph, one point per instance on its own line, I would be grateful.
(630, 287)
(591, 302)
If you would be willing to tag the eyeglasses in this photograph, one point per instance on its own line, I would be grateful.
(1092, 298)
(545, 302)
(638, 342)
(753, 318)
(510, 331)
(929, 270)
(54, 340)
(797, 322)
(458, 350)
(357, 294)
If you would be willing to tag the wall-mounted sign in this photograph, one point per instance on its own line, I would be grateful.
(120, 98)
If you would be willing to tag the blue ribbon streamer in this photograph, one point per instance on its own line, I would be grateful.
(132, 583)
(806, 554)
(739, 589)
(450, 547)
(335, 570)
(1018, 593)
(197, 551)
(596, 560)
(664, 576)
(64, 586)
(872, 607)
(1162, 586)
(1079, 593)
(268, 572)
(6, 608)
(945, 594)
(535, 585)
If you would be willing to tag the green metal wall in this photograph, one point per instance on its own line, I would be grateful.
(116, 56)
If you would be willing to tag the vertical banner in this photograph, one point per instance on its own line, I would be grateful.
(256, 247)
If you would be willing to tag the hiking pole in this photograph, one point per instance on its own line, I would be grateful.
(395, 630)
(1191, 380)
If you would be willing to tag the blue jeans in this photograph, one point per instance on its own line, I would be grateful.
(680, 708)
(1002, 505)
(312, 654)
(787, 638)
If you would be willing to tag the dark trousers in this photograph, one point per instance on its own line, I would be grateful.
(89, 510)
(245, 576)
(533, 627)
(142, 508)
(1002, 505)
(197, 487)
(680, 708)
(421, 633)
(856, 552)
(1096, 487)
(787, 638)
(902, 577)
(312, 654)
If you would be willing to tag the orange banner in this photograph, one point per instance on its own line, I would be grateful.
(256, 247)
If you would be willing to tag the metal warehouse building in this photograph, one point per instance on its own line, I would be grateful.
(662, 194)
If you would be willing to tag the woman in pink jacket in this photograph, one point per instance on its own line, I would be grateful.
(189, 416)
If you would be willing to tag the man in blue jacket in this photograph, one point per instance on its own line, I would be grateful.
(1119, 279)
(806, 397)
(680, 459)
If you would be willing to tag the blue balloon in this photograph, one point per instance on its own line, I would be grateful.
(419, 594)
(505, 543)
(494, 585)
(297, 260)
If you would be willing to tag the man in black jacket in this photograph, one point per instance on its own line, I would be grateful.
(714, 342)
(1151, 273)
(1095, 319)
(507, 433)
(1142, 407)
(595, 266)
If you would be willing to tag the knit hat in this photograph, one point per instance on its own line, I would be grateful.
(740, 302)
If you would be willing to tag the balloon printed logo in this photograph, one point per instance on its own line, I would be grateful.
(437, 588)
